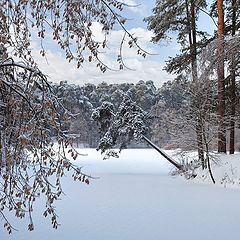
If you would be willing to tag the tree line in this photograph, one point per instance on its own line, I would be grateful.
(170, 111)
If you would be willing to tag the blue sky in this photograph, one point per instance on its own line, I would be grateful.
(150, 68)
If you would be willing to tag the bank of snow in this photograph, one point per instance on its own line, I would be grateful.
(225, 168)
(130, 161)
(136, 199)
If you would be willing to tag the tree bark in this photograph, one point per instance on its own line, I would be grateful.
(192, 38)
(172, 161)
(208, 157)
(221, 83)
(233, 84)
(233, 110)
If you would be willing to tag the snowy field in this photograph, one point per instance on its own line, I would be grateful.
(136, 199)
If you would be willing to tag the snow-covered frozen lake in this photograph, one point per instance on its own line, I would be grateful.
(136, 199)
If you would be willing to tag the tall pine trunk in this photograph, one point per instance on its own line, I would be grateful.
(221, 82)
(233, 84)
(193, 52)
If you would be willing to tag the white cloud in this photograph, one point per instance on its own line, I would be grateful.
(130, 2)
(134, 6)
(59, 69)
(96, 29)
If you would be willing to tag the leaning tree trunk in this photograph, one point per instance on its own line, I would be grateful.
(221, 83)
(172, 161)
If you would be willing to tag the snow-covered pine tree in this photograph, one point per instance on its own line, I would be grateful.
(119, 128)
(128, 123)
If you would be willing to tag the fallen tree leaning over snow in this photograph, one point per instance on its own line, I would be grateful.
(127, 124)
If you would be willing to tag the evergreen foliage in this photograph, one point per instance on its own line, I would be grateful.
(127, 124)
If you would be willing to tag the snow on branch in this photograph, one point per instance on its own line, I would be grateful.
(35, 147)
(121, 128)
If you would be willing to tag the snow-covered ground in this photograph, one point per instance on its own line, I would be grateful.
(226, 171)
(136, 199)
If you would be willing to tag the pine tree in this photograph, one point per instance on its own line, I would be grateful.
(181, 17)
(221, 80)
(233, 23)
(231, 61)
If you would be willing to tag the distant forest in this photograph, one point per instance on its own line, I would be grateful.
(168, 107)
